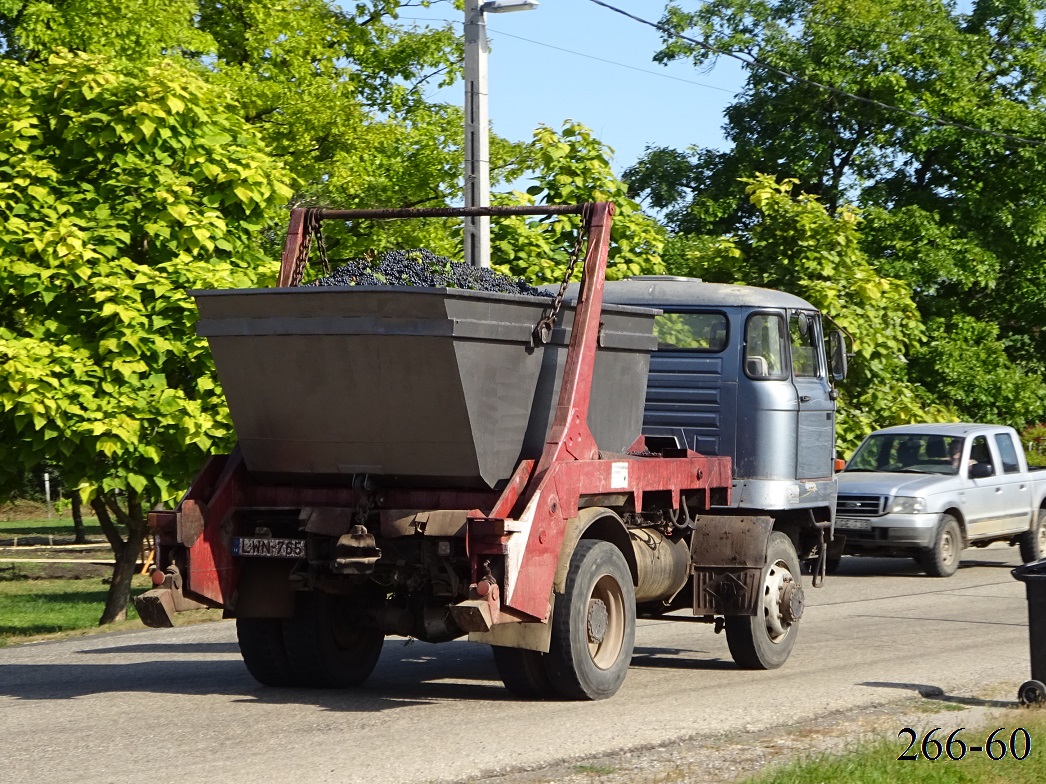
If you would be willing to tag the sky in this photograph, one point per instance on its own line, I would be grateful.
(573, 59)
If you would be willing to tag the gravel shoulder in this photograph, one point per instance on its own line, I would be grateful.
(731, 757)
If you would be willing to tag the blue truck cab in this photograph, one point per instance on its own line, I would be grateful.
(742, 372)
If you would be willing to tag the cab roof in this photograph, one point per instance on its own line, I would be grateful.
(663, 291)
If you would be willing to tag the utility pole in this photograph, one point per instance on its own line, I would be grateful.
(47, 492)
(477, 122)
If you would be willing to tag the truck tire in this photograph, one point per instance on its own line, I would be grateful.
(593, 625)
(262, 649)
(326, 649)
(942, 560)
(523, 673)
(1033, 542)
(765, 640)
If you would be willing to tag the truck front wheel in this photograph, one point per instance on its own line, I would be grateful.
(765, 640)
(942, 560)
(1033, 542)
(326, 647)
(593, 625)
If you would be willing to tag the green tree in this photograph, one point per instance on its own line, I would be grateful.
(571, 167)
(958, 214)
(121, 188)
(336, 92)
(795, 244)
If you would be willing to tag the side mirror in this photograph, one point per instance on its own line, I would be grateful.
(981, 471)
(837, 354)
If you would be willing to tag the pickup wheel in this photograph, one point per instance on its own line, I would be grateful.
(593, 624)
(262, 649)
(1033, 542)
(326, 648)
(942, 560)
(523, 673)
(765, 640)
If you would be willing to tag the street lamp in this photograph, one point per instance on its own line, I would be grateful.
(477, 122)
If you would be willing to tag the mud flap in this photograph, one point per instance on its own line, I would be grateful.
(728, 553)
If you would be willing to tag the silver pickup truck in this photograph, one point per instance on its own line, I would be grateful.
(928, 491)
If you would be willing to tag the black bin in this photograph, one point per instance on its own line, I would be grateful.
(434, 387)
(1033, 575)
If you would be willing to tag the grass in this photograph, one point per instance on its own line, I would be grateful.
(877, 762)
(34, 608)
(55, 527)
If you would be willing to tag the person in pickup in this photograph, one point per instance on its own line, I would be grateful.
(955, 454)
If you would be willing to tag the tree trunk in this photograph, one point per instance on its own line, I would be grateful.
(126, 551)
(78, 518)
(119, 596)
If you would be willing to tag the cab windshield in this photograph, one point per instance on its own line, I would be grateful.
(908, 453)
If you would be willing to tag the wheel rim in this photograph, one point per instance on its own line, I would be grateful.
(1042, 538)
(778, 580)
(948, 550)
(605, 622)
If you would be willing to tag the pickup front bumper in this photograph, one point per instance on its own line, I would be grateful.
(888, 532)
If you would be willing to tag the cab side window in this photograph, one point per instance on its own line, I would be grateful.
(765, 346)
(691, 331)
(1010, 463)
(803, 338)
(980, 452)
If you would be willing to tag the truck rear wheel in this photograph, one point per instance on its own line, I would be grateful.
(325, 647)
(765, 640)
(262, 649)
(1033, 542)
(594, 624)
(523, 673)
(942, 560)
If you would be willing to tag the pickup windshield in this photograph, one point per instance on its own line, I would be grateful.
(908, 453)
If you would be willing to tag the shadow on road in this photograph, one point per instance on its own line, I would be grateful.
(677, 659)
(170, 648)
(902, 566)
(936, 693)
(405, 675)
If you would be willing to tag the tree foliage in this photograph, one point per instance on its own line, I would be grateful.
(794, 244)
(572, 167)
(121, 188)
(957, 214)
(335, 91)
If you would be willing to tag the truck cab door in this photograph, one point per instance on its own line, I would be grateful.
(815, 444)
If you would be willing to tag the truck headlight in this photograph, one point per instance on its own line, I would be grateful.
(905, 505)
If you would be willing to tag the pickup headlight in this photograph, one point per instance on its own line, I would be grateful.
(905, 505)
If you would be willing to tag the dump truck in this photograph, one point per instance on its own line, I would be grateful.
(441, 463)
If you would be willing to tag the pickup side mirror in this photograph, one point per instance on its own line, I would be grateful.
(837, 354)
(981, 471)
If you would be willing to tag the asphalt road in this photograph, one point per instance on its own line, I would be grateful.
(177, 704)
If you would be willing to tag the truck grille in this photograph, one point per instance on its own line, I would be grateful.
(869, 505)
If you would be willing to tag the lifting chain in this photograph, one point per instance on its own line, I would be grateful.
(543, 330)
(313, 227)
(821, 566)
(362, 485)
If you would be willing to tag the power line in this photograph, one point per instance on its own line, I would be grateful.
(612, 62)
(752, 62)
(581, 54)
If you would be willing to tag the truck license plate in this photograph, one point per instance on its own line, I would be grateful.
(853, 523)
(268, 548)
